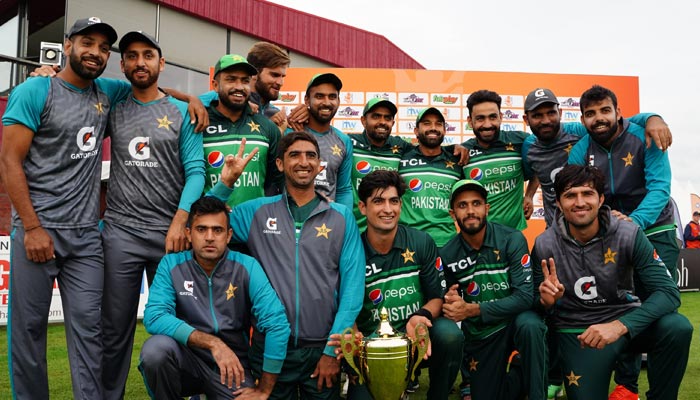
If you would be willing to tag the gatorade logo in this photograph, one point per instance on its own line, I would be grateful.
(416, 185)
(376, 296)
(476, 174)
(139, 148)
(585, 288)
(216, 159)
(363, 167)
(86, 139)
(473, 289)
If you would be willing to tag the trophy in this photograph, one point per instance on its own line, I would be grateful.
(387, 360)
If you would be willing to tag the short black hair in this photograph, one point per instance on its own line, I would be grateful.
(291, 137)
(483, 96)
(380, 179)
(597, 94)
(579, 175)
(208, 205)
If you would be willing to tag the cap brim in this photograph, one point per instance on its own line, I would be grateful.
(101, 27)
(541, 102)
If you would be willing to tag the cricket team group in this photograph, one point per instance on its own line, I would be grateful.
(265, 234)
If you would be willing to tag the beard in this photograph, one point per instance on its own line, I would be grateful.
(265, 92)
(471, 230)
(77, 66)
(549, 136)
(142, 84)
(379, 137)
(322, 119)
(480, 134)
(604, 137)
(430, 142)
(226, 102)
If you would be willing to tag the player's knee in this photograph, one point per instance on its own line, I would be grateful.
(156, 351)
(529, 323)
(676, 328)
(446, 334)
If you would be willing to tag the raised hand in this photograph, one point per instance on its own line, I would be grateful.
(550, 289)
(235, 164)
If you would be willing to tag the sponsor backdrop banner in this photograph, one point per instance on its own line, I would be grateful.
(411, 91)
(414, 90)
(56, 309)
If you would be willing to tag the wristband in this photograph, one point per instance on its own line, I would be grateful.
(423, 313)
(32, 228)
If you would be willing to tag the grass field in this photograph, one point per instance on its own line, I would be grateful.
(60, 386)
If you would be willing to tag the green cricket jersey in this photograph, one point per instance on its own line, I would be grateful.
(498, 277)
(223, 137)
(403, 280)
(426, 203)
(367, 158)
(499, 168)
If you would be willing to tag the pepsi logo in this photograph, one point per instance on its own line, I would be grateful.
(476, 174)
(376, 296)
(438, 264)
(657, 258)
(363, 167)
(473, 289)
(525, 261)
(416, 185)
(216, 159)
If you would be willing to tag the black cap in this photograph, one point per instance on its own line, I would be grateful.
(538, 97)
(138, 36)
(82, 26)
(325, 78)
(696, 213)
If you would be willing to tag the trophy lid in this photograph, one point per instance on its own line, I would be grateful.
(385, 329)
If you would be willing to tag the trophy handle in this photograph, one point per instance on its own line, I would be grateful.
(421, 342)
(349, 349)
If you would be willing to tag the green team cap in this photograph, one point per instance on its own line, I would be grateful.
(379, 102)
(234, 60)
(325, 78)
(430, 110)
(467, 184)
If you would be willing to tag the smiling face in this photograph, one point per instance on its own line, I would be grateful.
(485, 119)
(323, 102)
(382, 209)
(430, 131)
(300, 164)
(470, 210)
(141, 65)
(269, 82)
(88, 54)
(378, 123)
(544, 121)
(233, 87)
(600, 119)
(580, 205)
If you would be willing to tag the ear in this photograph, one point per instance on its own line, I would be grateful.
(306, 99)
(215, 84)
(121, 64)
(469, 121)
(363, 121)
(527, 122)
(188, 234)
(362, 207)
(229, 234)
(161, 64)
(67, 45)
(280, 164)
(488, 207)
(452, 214)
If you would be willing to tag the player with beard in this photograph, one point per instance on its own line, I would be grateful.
(429, 170)
(157, 172)
(489, 276)
(547, 150)
(322, 99)
(50, 165)
(230, 120)
(638, 189)
(495, 160)
(272, 63)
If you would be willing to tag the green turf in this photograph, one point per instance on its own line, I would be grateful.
(60, 386)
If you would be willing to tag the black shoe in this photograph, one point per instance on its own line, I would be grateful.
(412, 386)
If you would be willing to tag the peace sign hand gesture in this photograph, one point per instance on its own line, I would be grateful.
(550, 289)
(235, 164)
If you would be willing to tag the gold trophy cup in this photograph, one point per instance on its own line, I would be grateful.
(387, 360)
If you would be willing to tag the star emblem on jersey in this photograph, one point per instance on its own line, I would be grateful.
(628, 159)
(573, 379)
(253, 126)
(472, 364)
(610, 256)
(510, 147)
(164, 122)
(322, 231)
(336, 150)
(498, 254)
(395, 149)
(99, 108)
(408, 255)
(568, 148)
(450, 164)
(231, 291)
